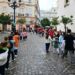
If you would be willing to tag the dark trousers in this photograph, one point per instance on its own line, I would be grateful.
(71, 52)
(16, 51)
(47, 47)
(24, 38)
(10, 53)
(2, 70)
(66, 52)
(20, 37)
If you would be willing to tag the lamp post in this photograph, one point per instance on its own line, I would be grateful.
(14, 4)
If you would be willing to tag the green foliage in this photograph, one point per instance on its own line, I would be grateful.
(66, 20)
(45, 22)
(55, 21)
(5, 19)
(21, 21)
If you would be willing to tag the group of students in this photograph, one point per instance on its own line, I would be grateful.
(8, 49)
(62, 43)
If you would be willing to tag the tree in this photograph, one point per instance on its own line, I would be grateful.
(55, 21)
(4, 20)
(45, 22)
(65, 21)
(21, 21)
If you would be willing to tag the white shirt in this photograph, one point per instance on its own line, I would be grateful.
(48, 40)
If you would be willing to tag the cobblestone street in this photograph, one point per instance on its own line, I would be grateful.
(32, 60)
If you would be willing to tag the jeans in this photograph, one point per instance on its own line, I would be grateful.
(8, 58)
(47, 47)
(15, 51)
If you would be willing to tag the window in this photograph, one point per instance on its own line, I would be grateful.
(20, 15)
(29, 1)
(28, 11)
(8, 0)
(19, 0)
(66, 3)
(27, 15)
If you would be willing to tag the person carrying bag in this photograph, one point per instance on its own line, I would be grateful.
(3, 57)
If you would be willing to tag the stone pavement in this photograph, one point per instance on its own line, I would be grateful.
(32, 60)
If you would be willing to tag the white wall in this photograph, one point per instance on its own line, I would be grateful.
(67, 11)
(48, 14)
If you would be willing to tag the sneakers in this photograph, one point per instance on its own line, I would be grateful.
(16, 55)
(13, 60)
(6, 69)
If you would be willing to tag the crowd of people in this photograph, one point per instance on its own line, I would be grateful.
(61, 42)
(8, 49)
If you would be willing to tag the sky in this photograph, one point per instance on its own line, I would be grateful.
(47, 4)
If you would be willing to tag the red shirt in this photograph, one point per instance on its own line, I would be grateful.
(51, 33)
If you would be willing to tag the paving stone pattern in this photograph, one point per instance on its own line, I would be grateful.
(32, 60)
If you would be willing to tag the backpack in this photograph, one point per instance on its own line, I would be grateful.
(11, 44)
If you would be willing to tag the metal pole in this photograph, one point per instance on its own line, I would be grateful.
(14, 7)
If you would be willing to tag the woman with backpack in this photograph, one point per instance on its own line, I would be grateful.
(11, 50)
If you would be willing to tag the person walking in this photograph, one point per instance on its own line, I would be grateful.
(69, 45)
(3, 57)
(55, 43)
(16, 38)
(24, 35)
(11, 50)
(47, 42)
(61, 43)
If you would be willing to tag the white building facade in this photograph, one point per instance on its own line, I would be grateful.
(48, 14)
(53, 12)
(66, 8)
(44, 14)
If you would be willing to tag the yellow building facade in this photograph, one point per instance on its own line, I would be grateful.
(28, 9)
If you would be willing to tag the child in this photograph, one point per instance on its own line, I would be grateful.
(56, 44)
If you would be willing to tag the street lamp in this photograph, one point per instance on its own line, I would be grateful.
(14, 4)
